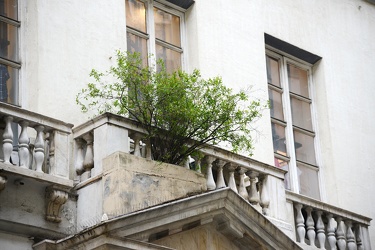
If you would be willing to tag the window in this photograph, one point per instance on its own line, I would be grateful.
(152, 29)
(293, 133)
(9, 61)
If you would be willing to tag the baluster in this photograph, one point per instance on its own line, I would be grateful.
(242, 189)
(88, 162)
(39, 148)
(340, 234)
(331, 232)
(253, 192)
(358, 235)
(220, 183)
(32, 164)
(8, 139)
(300, 223)
(79, 157)
(264, 197)
(187, 163)
(310, 226)
(148, 149)
(320, 230)
(197, 161)
(350, 236)
(46, 152)
(51, 160)
(137, 148)
(232, 181)
(210, 178)
(23, 140)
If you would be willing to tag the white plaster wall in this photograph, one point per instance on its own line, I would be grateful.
(342, 33)
(61, 41)
(13, 242)
(89, 205)
(228, 41)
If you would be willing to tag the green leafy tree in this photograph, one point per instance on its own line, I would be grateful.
(181, 112)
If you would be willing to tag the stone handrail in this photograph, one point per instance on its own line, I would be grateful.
(109, 133)
(328, 227)
(46, 151)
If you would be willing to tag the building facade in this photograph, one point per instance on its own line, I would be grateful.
(69, 182)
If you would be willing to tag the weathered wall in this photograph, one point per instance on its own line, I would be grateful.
(202, 237)
(26, 205)
(132, 183)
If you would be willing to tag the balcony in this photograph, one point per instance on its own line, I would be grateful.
(318, 224)
(99, 138)
(34, 174)
(107, 163)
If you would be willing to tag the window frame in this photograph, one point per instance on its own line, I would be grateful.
(12, 63)
(284, 59)
(150, 35)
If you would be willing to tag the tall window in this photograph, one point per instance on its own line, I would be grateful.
(290, 94)
(9, 60)
(151, 29)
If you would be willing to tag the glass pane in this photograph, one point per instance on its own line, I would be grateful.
(171, 58)
(9, 9)
(273, 74)
(136, 15)
(285, 166)
(8, 84)
(8, 41)
(167, 27)
(298, 81)
(278, 137)
(301, 113)
(308, 181)
(276, 104)
(304, 146)
(137, 44)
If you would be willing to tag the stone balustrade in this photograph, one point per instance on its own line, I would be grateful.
(243, 175)
(35, 142)
(327, 227)
(109, 133)
(35, 154)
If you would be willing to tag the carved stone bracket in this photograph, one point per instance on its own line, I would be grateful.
(3, 181)
(55, 199)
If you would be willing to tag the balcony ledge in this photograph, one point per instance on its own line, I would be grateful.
(33, 118)
(19, 173)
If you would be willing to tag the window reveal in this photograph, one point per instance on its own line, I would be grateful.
(9, 59)
(151, 30)
(289, 88)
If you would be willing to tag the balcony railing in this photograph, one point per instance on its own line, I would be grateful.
(36, 148)
(109, 133)
(328, 227)
(35, 142)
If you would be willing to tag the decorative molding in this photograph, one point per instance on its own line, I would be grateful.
(3, 181)
(55, 199)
